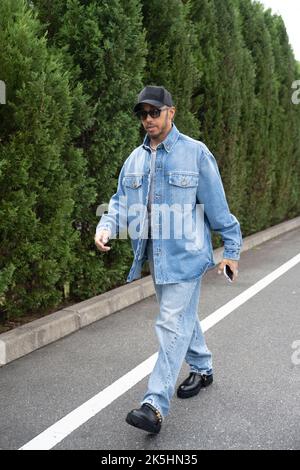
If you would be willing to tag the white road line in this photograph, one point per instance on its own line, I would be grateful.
(226, 309)
(65, 426)
(62, 428)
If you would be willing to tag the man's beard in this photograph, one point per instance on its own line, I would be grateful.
(154, 136)
(158, 133)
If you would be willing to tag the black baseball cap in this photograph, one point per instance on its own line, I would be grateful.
(155, 95)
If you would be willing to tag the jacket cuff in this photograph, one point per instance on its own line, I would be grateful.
(104, 227)
(231, 254)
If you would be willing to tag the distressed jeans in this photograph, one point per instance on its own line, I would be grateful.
(180, 338)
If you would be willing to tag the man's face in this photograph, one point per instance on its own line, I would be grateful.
(158, 128)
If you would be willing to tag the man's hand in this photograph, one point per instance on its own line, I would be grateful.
(101, 238)
(233, 264)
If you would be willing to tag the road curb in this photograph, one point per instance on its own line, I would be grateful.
(34, 335)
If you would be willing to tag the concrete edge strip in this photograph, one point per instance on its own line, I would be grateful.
(34, 335)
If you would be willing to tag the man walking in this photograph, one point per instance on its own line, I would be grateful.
(171, 174)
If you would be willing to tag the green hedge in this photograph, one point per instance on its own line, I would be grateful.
(72, 70)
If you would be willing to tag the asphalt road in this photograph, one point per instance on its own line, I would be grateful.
(254, 402)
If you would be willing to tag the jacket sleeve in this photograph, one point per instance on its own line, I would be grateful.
(210, 192)
(116, 218)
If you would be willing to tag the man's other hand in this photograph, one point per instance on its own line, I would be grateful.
(101, 238)
(233, 264)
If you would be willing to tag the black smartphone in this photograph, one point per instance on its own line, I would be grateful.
(228, 272)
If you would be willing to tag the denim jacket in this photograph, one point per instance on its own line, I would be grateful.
(186, 175)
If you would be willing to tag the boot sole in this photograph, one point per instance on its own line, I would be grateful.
(141, 424)
(192, 393)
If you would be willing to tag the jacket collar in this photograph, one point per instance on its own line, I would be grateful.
(169, 141)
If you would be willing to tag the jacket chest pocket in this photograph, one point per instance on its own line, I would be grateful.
(133, 188)
(132, 182)
(183, 188)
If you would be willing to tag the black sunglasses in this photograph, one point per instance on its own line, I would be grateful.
(154, 113)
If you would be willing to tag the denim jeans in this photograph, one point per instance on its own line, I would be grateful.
(180, 338)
